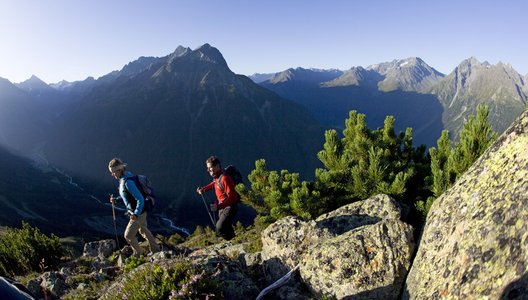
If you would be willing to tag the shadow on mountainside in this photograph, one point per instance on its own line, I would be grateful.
(331, 106)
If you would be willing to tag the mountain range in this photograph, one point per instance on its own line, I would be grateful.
(415, 93)
(165, 115)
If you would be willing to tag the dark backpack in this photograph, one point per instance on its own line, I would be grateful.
(145, 188)
(232, 172)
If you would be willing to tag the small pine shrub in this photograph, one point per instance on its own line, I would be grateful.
(423, 207)
(175, 239)
(201, 237)
(133, 262)
(26, 249)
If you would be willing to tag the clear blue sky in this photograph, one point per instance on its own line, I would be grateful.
(74, 39)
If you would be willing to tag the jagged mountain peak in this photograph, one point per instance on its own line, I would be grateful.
(203, 54)
(410, 62)
(33, 84)
(409, 74)
(180, 51)
(473, 82)
(355, 76)
(474, 61)
(199, 61)
(285, 75)
(473, 68)
(33, 80)
(209, 53)
(61, 85)
(305, 75)
(139, 65)
(5, 81)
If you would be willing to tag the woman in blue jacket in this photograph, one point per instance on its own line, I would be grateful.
(134, 202)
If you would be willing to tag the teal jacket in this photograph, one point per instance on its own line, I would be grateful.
(129, 192)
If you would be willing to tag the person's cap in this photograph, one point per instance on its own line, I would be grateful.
(116, 164)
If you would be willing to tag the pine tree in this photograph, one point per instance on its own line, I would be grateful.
(448, 163)
(365, 162)
(360, 164)
(270, 191)
(475, 137)
(441, 174)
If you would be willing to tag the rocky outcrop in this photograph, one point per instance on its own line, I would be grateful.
(360, 247)
(371, 262)
(235, 283)
(100, 249)
(474, 244)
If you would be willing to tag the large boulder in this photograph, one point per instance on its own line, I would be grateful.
(283, 244)
(474, 244)
(358, 247)
(368, 263)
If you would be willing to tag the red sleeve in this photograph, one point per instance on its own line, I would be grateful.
(208, 187)
(231, 196)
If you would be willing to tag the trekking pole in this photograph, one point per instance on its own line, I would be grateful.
(113, 217)
(211, 217)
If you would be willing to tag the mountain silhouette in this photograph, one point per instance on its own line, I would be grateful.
(166, 115)
(472, 83)
(170, 115)
(22, 124)
(415, 93)
(362, 89)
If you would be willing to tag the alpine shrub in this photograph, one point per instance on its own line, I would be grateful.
(26, 249)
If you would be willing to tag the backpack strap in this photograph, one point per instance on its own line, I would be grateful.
(221, 187)
(148, 199)
(219, 184)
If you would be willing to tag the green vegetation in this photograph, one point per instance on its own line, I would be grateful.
(201, 237)
(362, 163)
(179, 281)
(133, 262)
(449, 162)
(27, 249)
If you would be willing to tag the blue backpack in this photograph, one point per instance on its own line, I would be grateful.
(145, 188)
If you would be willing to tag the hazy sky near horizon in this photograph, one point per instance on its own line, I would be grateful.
(74, 39)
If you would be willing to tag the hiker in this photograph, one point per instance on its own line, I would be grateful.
(134, 202)
(226, 195)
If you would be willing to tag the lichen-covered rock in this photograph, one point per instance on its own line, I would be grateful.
(475, 241)
(333, 245)
(101, 248)
(283, 243)
(54, 283)
(358, 214)
(367, 263)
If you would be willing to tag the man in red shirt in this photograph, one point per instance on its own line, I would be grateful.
(226, 195)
